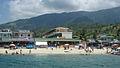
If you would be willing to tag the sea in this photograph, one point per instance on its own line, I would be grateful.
(59, 61)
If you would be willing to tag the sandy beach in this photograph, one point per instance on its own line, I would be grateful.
(54, 51)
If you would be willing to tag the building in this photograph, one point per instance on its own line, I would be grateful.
(24, 34)
(53, 42)
(106, 38)
(5, 35)
(22, 37)
(59, 32)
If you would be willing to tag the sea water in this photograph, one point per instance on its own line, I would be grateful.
(59, 61)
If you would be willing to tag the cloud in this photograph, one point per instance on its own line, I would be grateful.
(20, 9)
(0, 15)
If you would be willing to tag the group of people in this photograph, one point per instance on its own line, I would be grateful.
(89, 49)
(16, 53)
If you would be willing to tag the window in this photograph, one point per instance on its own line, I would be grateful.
(21, 35)
(4, 35)
(16, 34)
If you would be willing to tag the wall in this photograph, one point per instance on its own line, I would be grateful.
(67, 34)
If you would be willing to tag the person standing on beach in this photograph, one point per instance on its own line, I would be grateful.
(20, 51)
(29, 51)
(6, 52)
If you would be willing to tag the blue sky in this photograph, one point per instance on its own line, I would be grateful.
(11, 10)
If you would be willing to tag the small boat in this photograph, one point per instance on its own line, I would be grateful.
(114, 53)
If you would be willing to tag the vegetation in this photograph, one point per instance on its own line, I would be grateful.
(86, 31)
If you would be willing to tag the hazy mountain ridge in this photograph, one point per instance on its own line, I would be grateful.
(107, 16)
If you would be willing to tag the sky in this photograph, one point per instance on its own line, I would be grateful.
(11, 10)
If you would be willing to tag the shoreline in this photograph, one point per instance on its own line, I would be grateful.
(49, 51)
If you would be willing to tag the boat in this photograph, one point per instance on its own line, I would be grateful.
(114, 53)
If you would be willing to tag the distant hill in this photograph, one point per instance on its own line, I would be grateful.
(107, 16)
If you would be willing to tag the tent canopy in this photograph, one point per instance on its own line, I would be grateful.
(41, 43)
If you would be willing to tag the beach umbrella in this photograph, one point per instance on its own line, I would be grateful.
(115, 45)
(12, 45)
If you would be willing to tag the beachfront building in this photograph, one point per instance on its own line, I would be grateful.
(22, 37)
(59, 32)
(24, 34)
(56, 42)
(59, 36)
(5, 35)
(106, 38)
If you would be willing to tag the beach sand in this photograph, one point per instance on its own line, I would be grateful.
(54, 51)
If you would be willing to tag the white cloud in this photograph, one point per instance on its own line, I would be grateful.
(28, 8)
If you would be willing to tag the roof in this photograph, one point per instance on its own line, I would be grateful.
(109, 41)
(54, 39)
(15, 39)
(106, 36)
(61, 28)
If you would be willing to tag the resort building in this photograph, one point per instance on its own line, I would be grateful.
(59, 36)
(24, 34)
(59, 32)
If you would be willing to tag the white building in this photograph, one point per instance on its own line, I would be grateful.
(59, 32)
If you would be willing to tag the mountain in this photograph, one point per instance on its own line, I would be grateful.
(106, 16)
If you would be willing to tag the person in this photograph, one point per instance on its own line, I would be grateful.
(20, 51)
(6, 52)
(92, 47)
(64, 48)
(13, 53)
(90, 50)
(86, 51)
(101, 46)
(68, 46)
(51, 48)
(107, 50)
(56, 45)
(29, 51)
(17, 53)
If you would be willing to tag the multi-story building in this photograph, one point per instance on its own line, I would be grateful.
(59, 32)
(5, 35)
(23, 34)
